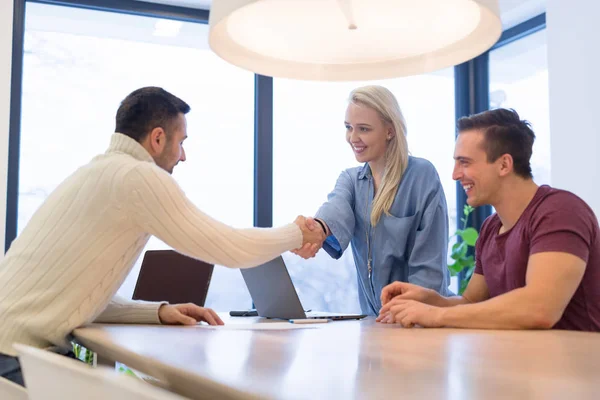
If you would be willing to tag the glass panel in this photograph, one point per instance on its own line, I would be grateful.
(78, 66)
(519, 80)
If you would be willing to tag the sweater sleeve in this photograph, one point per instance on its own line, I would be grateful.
(121, 310)
(159, 207)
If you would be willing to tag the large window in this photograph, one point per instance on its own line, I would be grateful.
(519, 80)
(80, 64)
(310, 151)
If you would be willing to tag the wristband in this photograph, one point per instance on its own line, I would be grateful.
(322, 226)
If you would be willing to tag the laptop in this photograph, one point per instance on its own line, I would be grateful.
(274, 295)
(166, 275)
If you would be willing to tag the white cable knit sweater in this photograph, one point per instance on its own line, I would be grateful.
(76, 251)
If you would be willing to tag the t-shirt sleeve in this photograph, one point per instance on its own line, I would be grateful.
(478, 268)
(563, 224)
(479, 244)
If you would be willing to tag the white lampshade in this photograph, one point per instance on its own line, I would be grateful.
(341, 40)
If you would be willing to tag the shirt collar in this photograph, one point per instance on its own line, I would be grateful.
(365, 172)
(120, 143)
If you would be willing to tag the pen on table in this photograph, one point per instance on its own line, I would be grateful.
(308, 321)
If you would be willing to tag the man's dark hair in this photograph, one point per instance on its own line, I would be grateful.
(504, 133)
(148, 108)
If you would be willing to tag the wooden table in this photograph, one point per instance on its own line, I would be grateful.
(357, 360)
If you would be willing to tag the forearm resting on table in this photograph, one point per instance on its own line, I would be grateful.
(476, 292)
(552, 279)
(521, 308)
(441, 301)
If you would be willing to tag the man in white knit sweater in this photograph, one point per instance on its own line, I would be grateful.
(64, 269)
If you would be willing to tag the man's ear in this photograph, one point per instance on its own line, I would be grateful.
(157, 139)
(505, 164)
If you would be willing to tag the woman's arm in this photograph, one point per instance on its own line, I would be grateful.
(337, 214)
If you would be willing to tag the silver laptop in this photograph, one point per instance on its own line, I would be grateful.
(274, 295)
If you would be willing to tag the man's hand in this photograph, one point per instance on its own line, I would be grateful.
(409, 313)
(406, 291)
(187, 314)
(312, 237)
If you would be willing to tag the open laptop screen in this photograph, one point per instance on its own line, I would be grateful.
(274, 295)
(272, 290)
(166, 275)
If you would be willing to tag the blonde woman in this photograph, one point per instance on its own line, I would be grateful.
(392, 209)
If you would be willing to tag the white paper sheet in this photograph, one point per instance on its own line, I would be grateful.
(259, 326)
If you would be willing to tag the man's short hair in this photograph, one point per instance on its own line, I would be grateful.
(504, 133)
(148, 108)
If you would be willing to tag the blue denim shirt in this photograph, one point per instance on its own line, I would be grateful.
(410, 245)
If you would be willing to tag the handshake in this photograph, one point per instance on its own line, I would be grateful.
(313, 236)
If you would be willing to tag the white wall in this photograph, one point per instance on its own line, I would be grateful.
(6, 21)
(574, 79)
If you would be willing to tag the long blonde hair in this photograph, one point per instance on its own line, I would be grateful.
(384, 102)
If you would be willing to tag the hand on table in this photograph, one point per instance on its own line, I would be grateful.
(187, 314)
(406, 291)
(409, 313)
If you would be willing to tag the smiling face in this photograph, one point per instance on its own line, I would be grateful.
(367, 133)
(479, 178)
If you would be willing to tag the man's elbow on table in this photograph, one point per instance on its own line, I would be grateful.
(542, 319)
(539, 312)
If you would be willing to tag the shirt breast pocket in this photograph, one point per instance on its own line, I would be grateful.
(398, 235)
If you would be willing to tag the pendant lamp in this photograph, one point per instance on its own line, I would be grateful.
(346, 40)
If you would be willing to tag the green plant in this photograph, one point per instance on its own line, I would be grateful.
(87, 356)
(83, 354)
(124, 369)
(463, 261)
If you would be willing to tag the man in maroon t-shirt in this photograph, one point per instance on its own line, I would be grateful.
(537, 258)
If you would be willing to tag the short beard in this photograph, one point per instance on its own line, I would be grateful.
(161, 160)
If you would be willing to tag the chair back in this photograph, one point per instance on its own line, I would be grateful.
(11, 391)
(50, 376)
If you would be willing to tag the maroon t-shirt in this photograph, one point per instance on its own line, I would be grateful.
(555, 220)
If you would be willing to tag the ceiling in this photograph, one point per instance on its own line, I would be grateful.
(513, 12)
